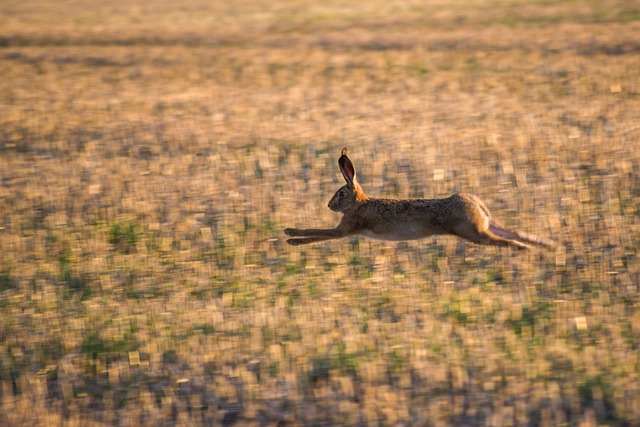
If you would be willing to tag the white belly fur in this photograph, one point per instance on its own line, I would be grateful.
(406, 232)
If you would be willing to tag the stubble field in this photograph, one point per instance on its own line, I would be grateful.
(151, 154)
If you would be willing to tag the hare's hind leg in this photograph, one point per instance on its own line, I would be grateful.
(500, 241)
(519, 237)
(474, 223)
(487, 236)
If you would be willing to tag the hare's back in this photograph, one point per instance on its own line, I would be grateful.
(388, 219)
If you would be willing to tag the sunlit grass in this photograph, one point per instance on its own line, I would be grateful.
(151, 156)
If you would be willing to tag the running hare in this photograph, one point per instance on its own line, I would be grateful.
(463, 215)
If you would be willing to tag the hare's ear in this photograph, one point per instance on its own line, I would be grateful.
(347, 168)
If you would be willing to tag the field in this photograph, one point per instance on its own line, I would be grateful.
(152, 152)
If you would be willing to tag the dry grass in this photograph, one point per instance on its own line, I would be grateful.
(151, 154)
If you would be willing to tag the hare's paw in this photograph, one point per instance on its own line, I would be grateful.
(293, 232)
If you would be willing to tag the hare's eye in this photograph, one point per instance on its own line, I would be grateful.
(342, 193)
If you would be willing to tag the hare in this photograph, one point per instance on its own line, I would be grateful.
(462, 215)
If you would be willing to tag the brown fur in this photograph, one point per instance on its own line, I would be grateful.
(462, 215)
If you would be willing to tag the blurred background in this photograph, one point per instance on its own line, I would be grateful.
(151, 153)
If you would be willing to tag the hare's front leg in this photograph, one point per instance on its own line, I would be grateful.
(311, 235)
(311, 232)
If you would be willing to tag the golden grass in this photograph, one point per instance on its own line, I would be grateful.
(151, 153)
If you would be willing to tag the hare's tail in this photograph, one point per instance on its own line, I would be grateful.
(521, 237)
